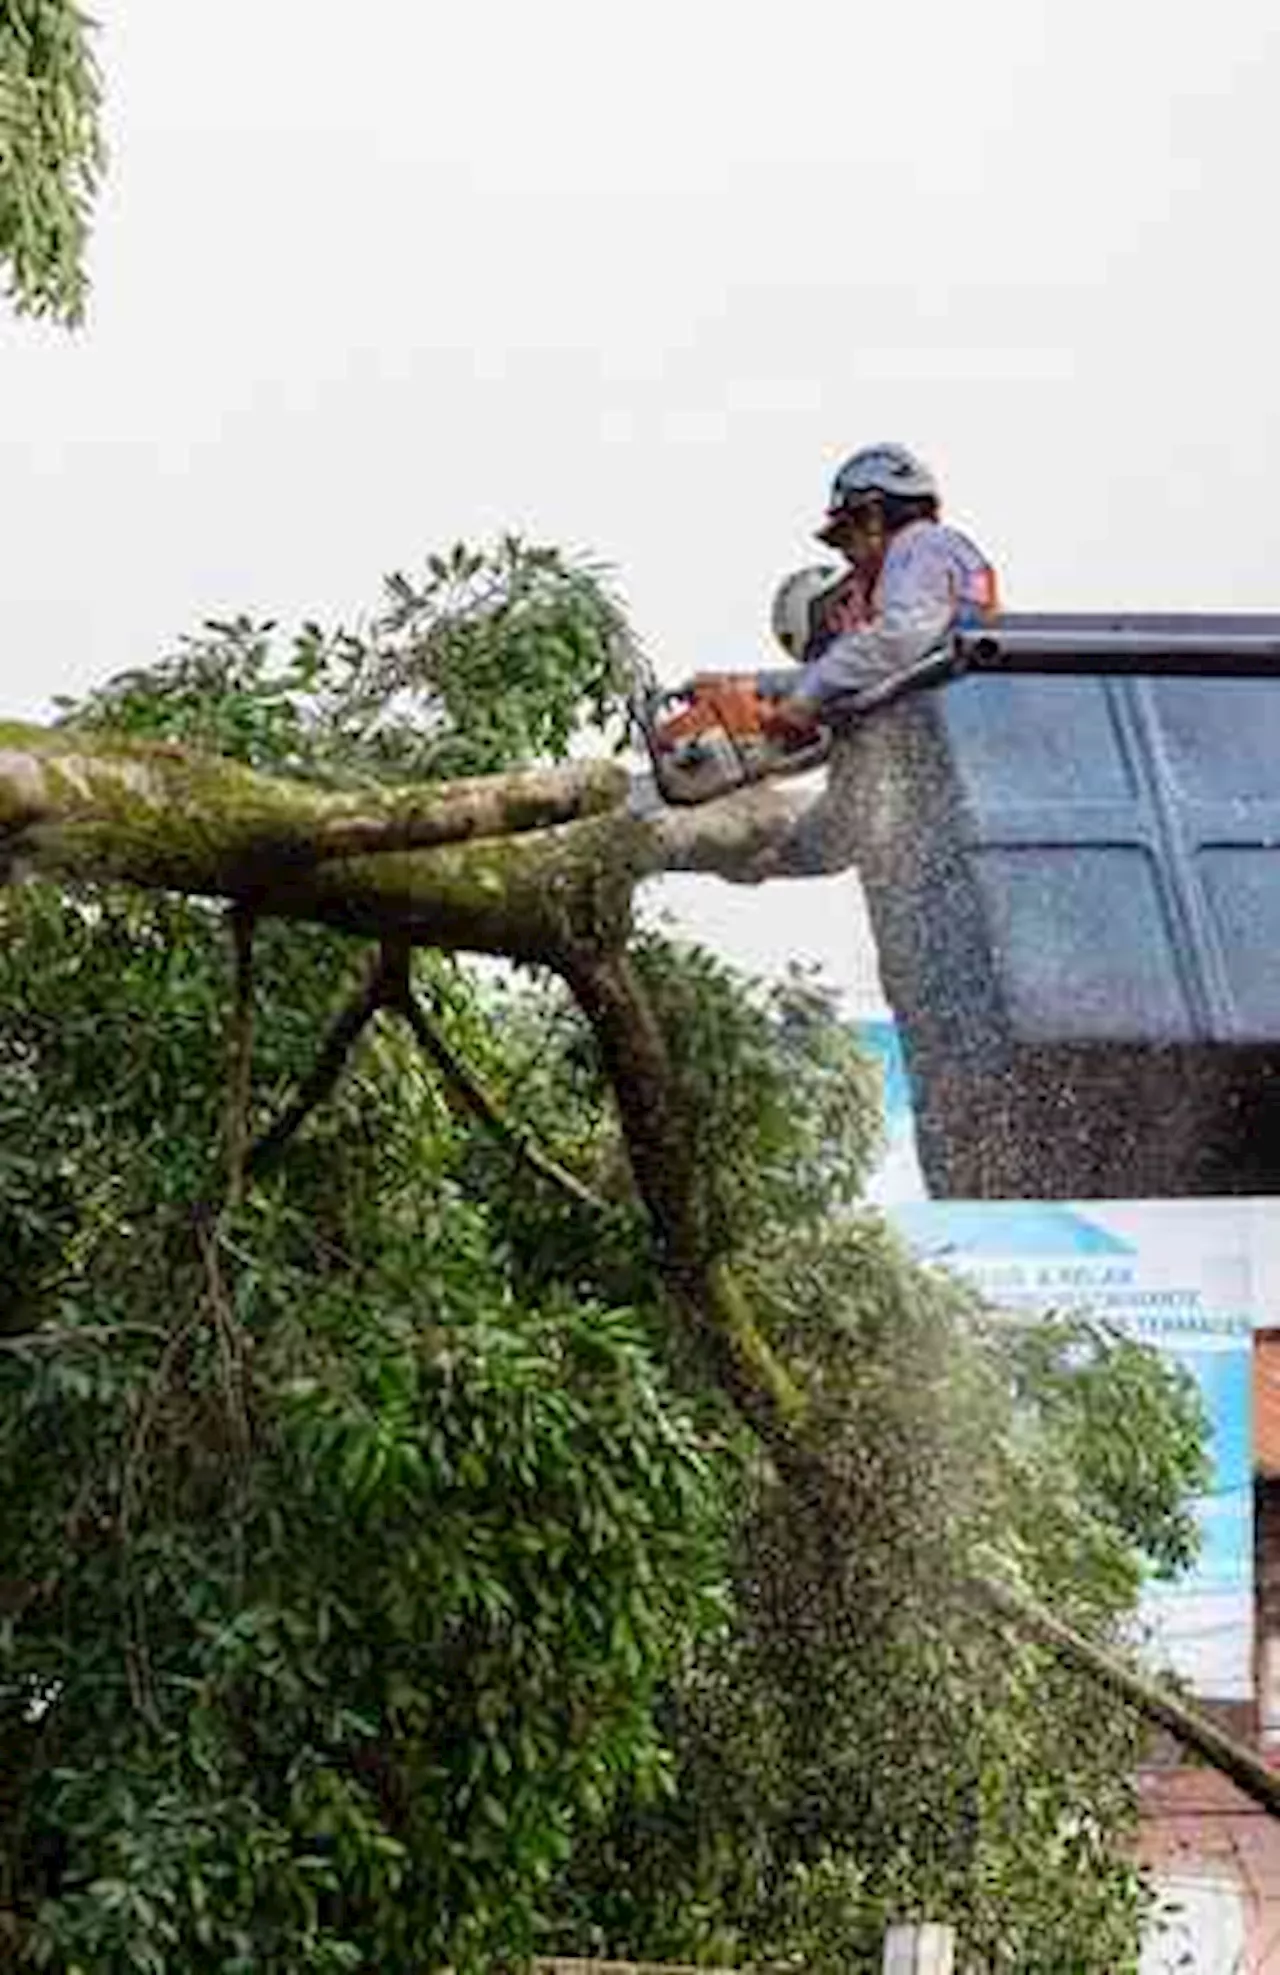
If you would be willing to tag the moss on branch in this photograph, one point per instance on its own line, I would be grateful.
(526, 863)
(95, 805)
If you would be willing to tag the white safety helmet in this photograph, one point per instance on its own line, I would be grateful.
(793, 602)
(887, 470)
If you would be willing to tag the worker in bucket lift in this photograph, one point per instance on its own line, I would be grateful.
(911, 579)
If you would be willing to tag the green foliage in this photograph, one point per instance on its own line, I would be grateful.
(781, 1107)
(339, 1577)
(1130, 1434)
(865, 1744)
(341, 1563)
(50, 152)
(489, 659)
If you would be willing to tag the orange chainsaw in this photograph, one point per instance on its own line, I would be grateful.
(721, 733)
(718, 733)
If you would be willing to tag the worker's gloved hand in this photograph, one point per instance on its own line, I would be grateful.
(791, 721)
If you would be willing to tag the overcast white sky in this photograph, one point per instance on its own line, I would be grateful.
(370, 278)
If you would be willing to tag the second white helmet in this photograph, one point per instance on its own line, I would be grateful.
(793, 606)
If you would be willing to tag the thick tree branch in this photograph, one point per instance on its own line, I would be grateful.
(522, 863)
(742, 837)
(153, 813)
(99, 810)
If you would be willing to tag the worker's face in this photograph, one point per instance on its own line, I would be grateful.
(859, 537)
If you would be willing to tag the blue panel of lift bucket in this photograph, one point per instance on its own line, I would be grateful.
(1079, 919)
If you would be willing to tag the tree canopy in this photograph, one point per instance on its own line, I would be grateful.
(476, 1478)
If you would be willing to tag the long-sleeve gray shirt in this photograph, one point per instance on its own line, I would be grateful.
(932, 578)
